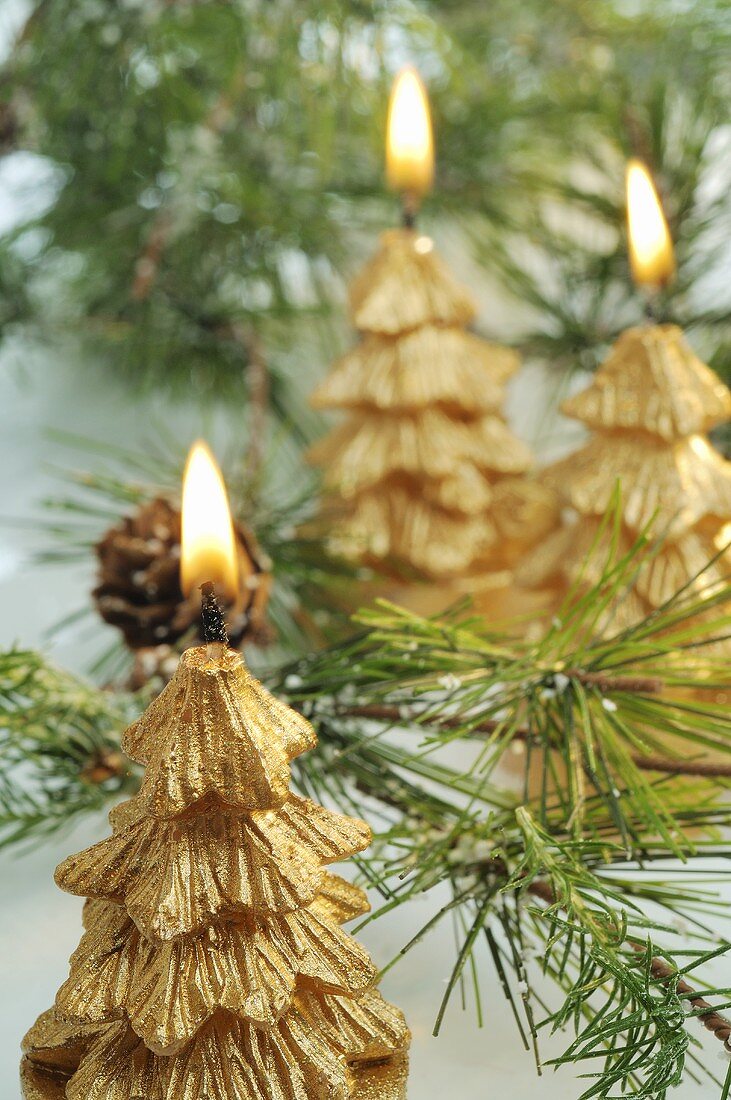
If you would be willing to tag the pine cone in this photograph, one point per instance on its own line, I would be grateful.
(139, 584)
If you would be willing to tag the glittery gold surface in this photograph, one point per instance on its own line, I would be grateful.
(649, 403)
(680, 564)
(673, 485)
(213, 962)
(37, 1084)
(364, 1028)
(56, 1045)
(653, 382)
(399, 525)
(227, 1060)
(496, 449)
(169, 991)
(340, 900)
(415, 370)
(382, 1082)
(369, 447)
(411, 471)
(464, 491)
(524, 513)
(215, 730)
(406, 286)
(375, 1080)
(175, 876)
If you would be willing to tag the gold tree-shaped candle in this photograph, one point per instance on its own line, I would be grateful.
(214, 965)
(415, 461)
(413, 467)
(650, 406)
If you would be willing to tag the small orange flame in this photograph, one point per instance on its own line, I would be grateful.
(650, 247)
(410, 142)
(208, 550)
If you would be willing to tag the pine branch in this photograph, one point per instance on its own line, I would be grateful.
(397, 716)
(453, 680)
(710, 1017)
(422, 684)
(569, 900)
(59, 747)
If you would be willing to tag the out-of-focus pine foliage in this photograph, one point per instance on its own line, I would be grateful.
(212, 164)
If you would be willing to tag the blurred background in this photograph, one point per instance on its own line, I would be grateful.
(185, 190)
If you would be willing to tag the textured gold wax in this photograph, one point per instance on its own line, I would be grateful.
(213, 963)
(413, 468)
(649, 405)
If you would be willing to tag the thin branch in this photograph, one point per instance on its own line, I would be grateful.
(711, 1019)
(148, 262)
(710, 769)
(636, 685)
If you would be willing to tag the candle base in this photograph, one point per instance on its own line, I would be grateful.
(387, 1081)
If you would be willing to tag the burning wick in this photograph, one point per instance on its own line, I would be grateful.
(650, 246)
(213, 625)
(409, 143)
(208, 559)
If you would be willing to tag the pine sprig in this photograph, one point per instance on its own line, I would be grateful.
(601, 705)
(59, 747)
(610, 731)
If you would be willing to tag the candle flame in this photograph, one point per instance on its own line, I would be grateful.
(410, 142)
(650, 247)
(208, 550)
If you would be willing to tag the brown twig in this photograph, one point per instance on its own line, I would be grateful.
(709, 769)
(711, 1019)
(148, 262)
(671, 766)
(637, 685)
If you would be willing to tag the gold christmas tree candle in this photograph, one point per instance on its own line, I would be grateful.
(649, 406)
(414, 466)
(214, 963)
